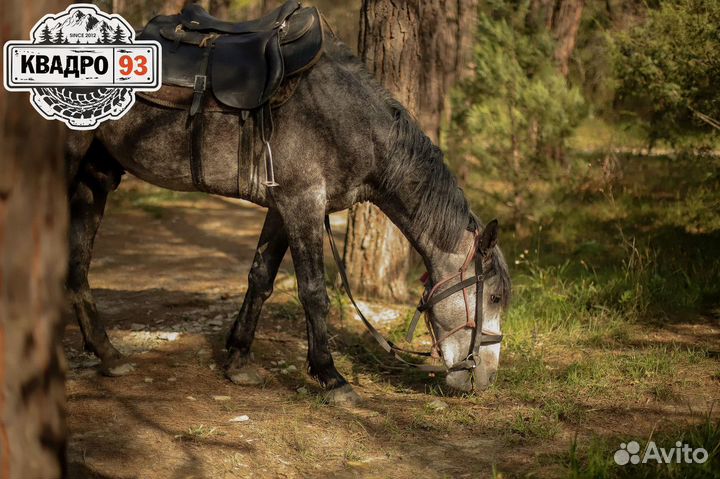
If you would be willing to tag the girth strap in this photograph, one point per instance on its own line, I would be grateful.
(197, 132)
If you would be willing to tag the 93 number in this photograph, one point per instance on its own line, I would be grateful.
(127, 64)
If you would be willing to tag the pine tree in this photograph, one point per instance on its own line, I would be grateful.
(119, 35)
(104, 33)
(45, 35)
(59, 39)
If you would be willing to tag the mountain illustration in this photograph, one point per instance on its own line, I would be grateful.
(84, 27)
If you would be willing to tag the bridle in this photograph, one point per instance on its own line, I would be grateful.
(434, 295)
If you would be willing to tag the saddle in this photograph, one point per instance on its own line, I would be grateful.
(243, 64)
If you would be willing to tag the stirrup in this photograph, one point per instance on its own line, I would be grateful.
(269, 172)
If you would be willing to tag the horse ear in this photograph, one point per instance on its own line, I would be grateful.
(489, 236)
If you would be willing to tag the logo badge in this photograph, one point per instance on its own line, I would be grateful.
(82, 66)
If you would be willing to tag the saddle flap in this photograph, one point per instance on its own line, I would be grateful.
(246, 69)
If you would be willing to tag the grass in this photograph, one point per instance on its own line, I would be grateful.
(595, 460)
(609, 270)
(198, 433)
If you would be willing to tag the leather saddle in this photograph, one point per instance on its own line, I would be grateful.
(243, 64)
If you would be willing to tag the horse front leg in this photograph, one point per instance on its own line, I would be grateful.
(303, 218)
(95, 179)
(271, 248)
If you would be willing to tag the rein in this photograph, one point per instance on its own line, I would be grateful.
(430, 298)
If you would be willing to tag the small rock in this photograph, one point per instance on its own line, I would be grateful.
(289, 370)
(168, 336)
(437, 405)
(242, 418)
(219, 318)
(281, 362)
(119, 370)
(215, 322)
(190, 398)
(148, 380)
(212, 366)
(302, 390)
(137, 327)
(246, 376)
(273, 363)
(172, 379)
(221, 398)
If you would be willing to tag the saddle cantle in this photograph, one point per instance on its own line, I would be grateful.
(242, 63)
(195, 18)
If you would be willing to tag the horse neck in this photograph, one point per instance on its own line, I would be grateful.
(439, 262)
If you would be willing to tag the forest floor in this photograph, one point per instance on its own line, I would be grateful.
(169, 274)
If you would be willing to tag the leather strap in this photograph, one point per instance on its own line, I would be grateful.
(386, 345)
(479, 338)
(201, 83)
(197, 123)
(197, 134)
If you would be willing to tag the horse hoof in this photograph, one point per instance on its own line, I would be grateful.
(343, 396)
(245, 376)
(117, 369)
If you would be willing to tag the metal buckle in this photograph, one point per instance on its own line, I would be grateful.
(198, 79)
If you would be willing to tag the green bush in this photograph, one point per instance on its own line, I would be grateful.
(515, 113)
(667, 69)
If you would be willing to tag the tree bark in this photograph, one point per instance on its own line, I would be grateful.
(417, 49)
(562, 18)
(377, 255)
(446, 36)
(33, 260)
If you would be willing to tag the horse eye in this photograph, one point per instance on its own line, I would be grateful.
(494, 299)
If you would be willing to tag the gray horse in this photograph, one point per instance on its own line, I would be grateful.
(339, 139)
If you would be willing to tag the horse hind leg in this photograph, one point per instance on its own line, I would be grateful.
(96, 176)
(271, 248)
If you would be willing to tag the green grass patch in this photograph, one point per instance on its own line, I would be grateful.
(595, 459)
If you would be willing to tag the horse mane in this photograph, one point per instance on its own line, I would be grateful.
(414, 162)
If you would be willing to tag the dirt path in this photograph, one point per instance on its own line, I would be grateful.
(169, 274)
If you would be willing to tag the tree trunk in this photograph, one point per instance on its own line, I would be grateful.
(565, 26)
(377, 255)
(417, 49)
(446, 36)
(562, 18)
(33, 259)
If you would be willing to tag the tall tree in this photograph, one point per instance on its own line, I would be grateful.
(446, 37)
(377, 255)
(33, 259)
(562, 18)
(415, 48)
